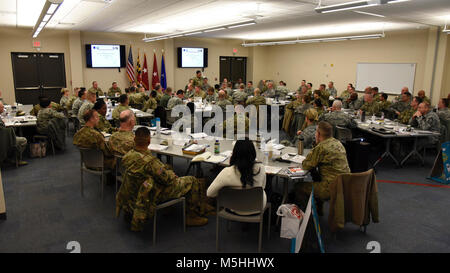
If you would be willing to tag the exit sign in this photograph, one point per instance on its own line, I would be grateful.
(36, 44)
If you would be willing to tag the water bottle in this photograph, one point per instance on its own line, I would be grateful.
(217, 147)
(158, 126)
(263, 144)
(266, 158)
(300, 147)
(363, 116)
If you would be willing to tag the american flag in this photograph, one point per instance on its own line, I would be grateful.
(130, 69)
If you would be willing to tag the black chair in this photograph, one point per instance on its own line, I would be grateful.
(160, 112)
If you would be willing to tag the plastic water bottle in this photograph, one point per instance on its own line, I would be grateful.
(263, 144)
(266, 158)
(217, 147)
(158, 126)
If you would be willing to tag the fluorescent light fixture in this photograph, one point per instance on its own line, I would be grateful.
(347, 6)
(214, 29)
(368, 13)
(446, 30)
(317, 40)
(200, 31)
(395, 1)
(242, 25)
(49, 9)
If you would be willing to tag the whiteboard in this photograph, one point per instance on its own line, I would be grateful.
(390, 78)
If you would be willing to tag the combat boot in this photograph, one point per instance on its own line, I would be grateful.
(195, 221)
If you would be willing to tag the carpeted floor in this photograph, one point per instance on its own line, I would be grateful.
(45, 211)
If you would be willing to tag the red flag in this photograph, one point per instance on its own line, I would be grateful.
(145, 74)
(155, 77)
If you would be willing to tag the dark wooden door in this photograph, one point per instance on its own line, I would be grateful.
(233, 68)
(38, 74)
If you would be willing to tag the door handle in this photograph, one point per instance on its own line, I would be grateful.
(28, 88)
(52, 87)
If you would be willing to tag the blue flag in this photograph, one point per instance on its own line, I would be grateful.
(163, 74)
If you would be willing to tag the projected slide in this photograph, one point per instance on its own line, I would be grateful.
(192, 57)
(105, 55)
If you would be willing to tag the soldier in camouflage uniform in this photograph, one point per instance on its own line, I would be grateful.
(95, 89)
(281, 91)
(103, 125)
(72, 98)
(257, 99)
(87, 105)
(151, 103)
(424, 98)
(249, 89)
(425, 119)
(211, 95)
(346, 94)
(90, 138)
(159, 92)
(45, 115)
(189, 91)
(64, 98)
(239, 118)
(330, 158)
(198, 79)
(123, 100)
(222, 102)
(324, 94)
(122, 141)
(303, 84)
(331, 90)
(375, 94)
(205, 85)
(370, 106)
(82, 95)
(55, 106)
(308, 134)
(21, 142)
(338, 118)
(165, 99)
(240, 95)
(270, 91)
(352, 102)
(406, 115)
(443, 112)
(384, 103)
(199, 93)
(289, 111)
(176, 100)
(400, 106)
(160, 184)
(113, 90)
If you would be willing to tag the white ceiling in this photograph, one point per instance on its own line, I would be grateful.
(276, 19)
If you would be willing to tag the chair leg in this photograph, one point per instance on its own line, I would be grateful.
(260, 235)
(154, 227)
(217, 232)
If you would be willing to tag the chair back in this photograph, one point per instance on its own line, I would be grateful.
(445, 130)
(160, 112)
(343, 134)
(91, 158)
(241, 199)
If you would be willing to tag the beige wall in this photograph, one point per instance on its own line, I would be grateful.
(336, 61)
(317, 63)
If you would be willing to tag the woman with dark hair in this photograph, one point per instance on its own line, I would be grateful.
(318, 105)
(244, 172)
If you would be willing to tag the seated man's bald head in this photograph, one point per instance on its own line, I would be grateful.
(125, 116)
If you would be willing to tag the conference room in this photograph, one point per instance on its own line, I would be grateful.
(253, 126)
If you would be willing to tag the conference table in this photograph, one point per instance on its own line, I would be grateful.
(395, 130)
(273, 167)
(21, 122)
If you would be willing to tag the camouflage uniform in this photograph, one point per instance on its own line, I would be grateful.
(202, 94)
(339, 118)
(281, 92)
(136, 98)
(249, 91)
(427, 100)
(76, 106)
(121, 142)
(257, 100)
(332, 92)
(164, 100)
(234, 120)
(384, 105)
(112, 91)
(44, 117)
(331, 159)
(372, 108)
(174, 101)
(428, 122)
(64, 101)
(406, 115)
(211, 98)
(37, 108)
(239, 96)
(376, 97)
(399, 106)
(148, 182)
(116, 112)
(87, 105)
(308, 136)
(269, 93)
(97, 91)
(444, 114)
(288, 115)
(104, 125)
(324, 96)
(205, 87)
(21, 142)
(345, 95)
(70, 102)
(189, 93)
(150, 104)
(223, 103)
(91, 138)
(198, 81)
(354, 105)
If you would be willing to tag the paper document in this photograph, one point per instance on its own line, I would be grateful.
(272, 170)
(198, 135)
(157, 147)
(195, 148)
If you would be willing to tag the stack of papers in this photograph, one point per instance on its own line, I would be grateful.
(195, 148)
(198, 135)
(167, 132)
(296, 159)
(272, 170)
(157, 147)
(296, 171)
(209, 157)
(106, 134)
